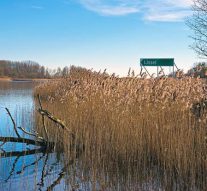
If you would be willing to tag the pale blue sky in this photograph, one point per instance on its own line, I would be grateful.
(99, 34)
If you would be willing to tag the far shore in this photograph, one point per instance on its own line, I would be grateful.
(7, 79)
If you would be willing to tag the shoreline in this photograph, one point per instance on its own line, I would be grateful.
(7, 79)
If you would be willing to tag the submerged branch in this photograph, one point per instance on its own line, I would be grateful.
(32, 164)
(60, 176)
(24, 140)
(22, 153)
(38, 142)
(41, 184)
(2, 144)
(57, 181)
(13, 168)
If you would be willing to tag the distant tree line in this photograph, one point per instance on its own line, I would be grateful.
(29, 69)
(199, 70)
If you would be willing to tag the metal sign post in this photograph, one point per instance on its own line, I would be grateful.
(159, 63)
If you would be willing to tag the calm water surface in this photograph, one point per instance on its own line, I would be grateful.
(24, 172)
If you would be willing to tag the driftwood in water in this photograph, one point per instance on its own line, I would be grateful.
(44, 147)
(22, 153)
(37, 140)
(53, 119)
(31, 134)
(23, 140)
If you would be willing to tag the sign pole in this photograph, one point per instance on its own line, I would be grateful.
(173, 71)
(176, 67)
(146, 71)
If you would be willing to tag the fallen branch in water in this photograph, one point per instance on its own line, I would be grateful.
(21, 128)
(44, 146)
(13, 168)
(31, 134)
(39, 141)
(23, 140)
(50, 116)
(22, 153)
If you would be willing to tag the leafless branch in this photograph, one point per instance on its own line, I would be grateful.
(31, 134)
(43, 118)
(198, 24)
(14, 124)
(53, 118)
(23, 140)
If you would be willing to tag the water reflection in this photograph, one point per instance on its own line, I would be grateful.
(38, 171)
(24, 167)
(17, 97)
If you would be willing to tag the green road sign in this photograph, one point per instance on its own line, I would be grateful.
(157, 62)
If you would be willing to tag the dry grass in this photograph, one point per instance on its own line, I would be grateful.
(132, 122)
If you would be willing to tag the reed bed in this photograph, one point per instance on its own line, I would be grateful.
(132, 123)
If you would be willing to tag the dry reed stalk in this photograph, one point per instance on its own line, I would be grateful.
(132, 121)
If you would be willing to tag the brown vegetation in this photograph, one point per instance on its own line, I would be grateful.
(129, 123)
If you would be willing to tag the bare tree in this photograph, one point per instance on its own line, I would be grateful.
(198, 24)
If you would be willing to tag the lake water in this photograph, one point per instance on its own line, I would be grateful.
(24, 172)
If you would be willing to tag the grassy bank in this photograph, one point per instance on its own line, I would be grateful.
(133, 123)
